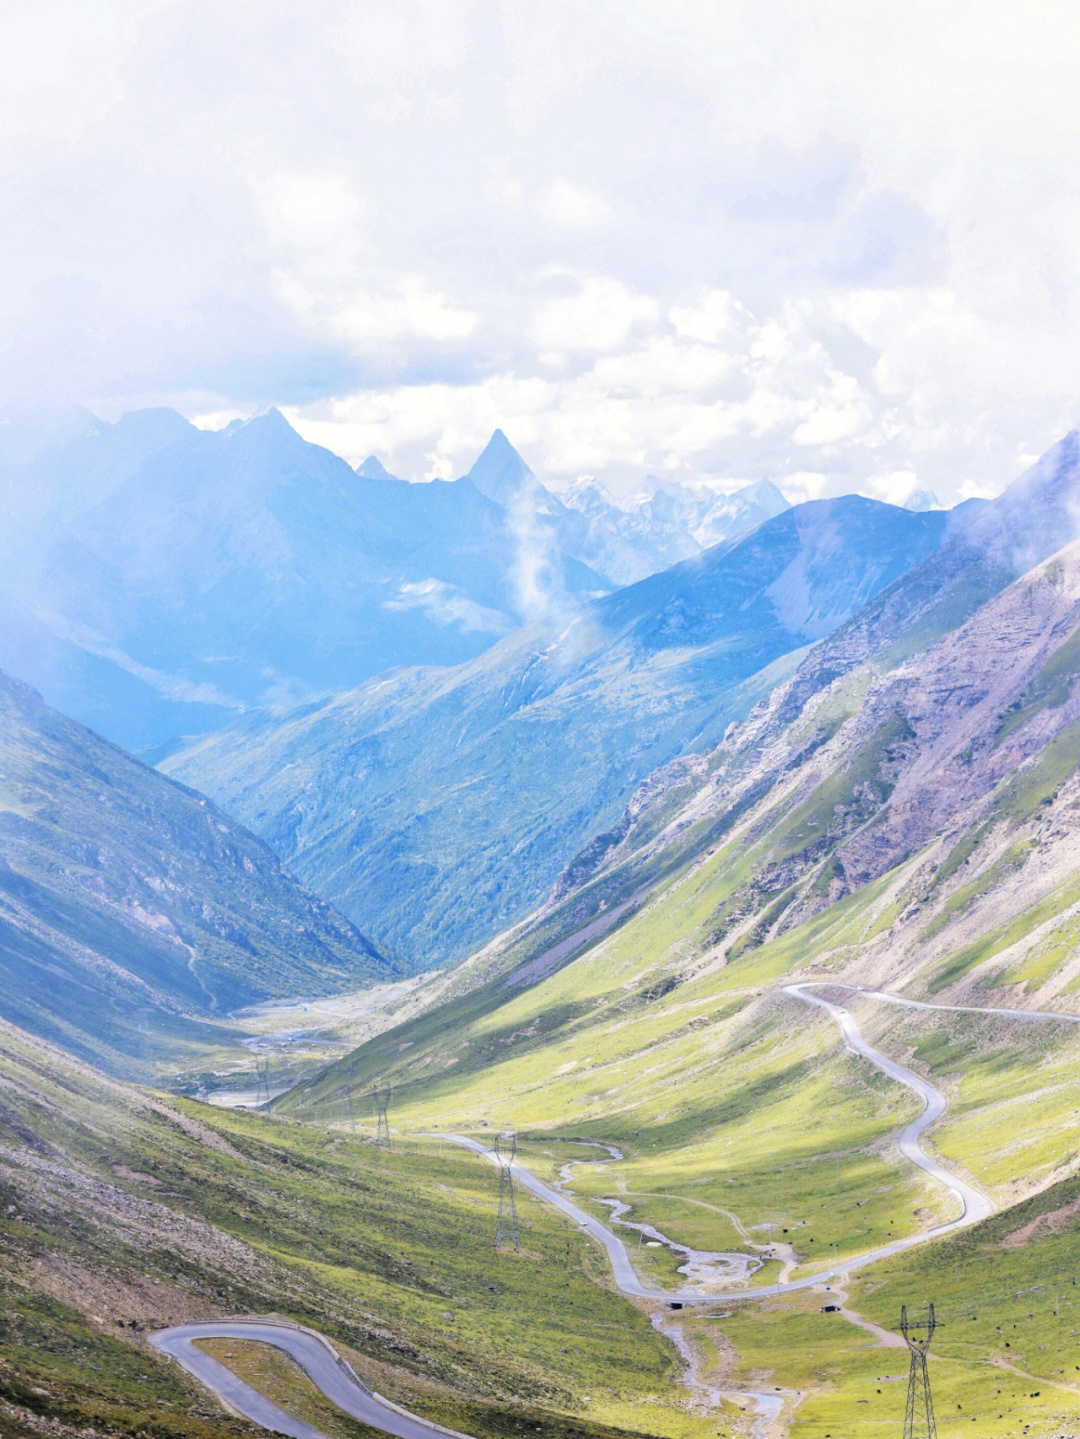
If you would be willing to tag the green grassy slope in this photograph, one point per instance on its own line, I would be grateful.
(121, 1211)
(700, 1089)
(889, 828)
(436, 806)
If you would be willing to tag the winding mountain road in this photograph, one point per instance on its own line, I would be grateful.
(329, 1372)
(974, 1204)
(315, 1356)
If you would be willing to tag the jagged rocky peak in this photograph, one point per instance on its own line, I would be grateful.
(764, 493)
(589, 495)
(267, 428)
(373, 469)
(500, 471)
(920, 501)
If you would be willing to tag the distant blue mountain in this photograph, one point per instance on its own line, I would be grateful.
(159, 579)
(500, 472)
(675, 522)
(922, 500)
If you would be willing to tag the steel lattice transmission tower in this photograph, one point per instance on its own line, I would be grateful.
(348, 1115)
(919, 1417)
(262, 1073)
(507, 1228)
(380, 1099)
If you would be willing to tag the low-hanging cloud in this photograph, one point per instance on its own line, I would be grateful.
(445, 605)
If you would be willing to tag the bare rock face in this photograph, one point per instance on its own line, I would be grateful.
(931, 745)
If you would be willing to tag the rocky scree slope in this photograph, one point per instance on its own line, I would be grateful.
(910, 829)
(986, 547)
(132, 910)
(942, 792)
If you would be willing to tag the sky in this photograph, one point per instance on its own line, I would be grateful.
(834, 244)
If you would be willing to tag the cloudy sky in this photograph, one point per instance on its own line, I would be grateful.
(835, 242)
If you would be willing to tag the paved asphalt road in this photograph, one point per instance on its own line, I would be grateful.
(1037, 1014)
(317, 1359)
(339, 1384)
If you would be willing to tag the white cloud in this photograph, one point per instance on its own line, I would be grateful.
(445, 605)
(598, 316)
(840, 415)
(572, 207)
(715, 315)
(838, 240)
(317, 218)
(398, 46)
(895, 487)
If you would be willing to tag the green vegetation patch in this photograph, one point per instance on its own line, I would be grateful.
(1048, 690)
(1038, 783)
(59, 1367)
(1014, 859)
(858, 787)
(993, 942)
(145, 1211)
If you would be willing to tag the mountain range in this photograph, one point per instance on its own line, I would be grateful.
(839, 751)
(436, 806)
(898, 812)
(159, 579)
(670, 522)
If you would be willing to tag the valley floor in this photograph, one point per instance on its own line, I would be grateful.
(173, 1214)
(724, 1113)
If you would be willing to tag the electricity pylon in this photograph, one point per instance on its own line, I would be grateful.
(262, 1074)
(348, 1116)
(380, 1099)
(919, 1417)
(507, 1227)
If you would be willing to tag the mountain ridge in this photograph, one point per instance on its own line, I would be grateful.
(907, 826)
(133, 912)
(158, 578)
(439, 803)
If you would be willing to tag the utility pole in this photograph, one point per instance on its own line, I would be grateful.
(507, 1228)
(380, 1099)
(919, 1416)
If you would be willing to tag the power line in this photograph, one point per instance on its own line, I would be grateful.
(348, 1114)
(262, 1080)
